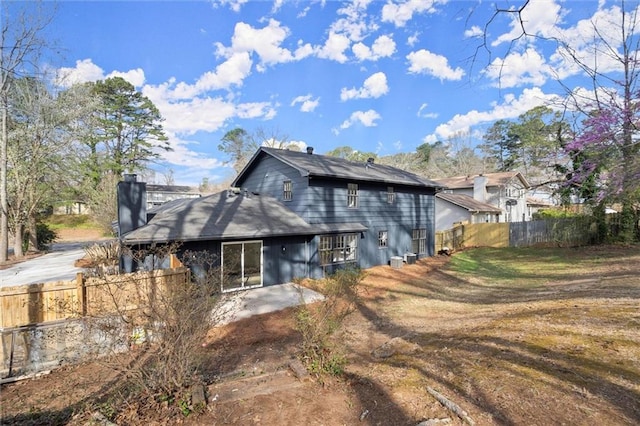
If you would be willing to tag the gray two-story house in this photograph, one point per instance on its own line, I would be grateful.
(299, 214)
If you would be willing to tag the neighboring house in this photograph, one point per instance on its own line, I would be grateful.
(295, 214)
(72, 207)
(460, 208)
(506, 191)
(160, 194)
(156, 196)
(534, 205)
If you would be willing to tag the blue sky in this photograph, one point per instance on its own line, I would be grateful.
(381, 76)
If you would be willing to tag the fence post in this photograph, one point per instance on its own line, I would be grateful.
(81, 293)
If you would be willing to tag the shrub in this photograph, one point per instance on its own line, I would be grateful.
(44, 235)
(161, 329)
(318, 323)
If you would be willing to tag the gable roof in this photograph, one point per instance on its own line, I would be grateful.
(468, 203)
(334, 167)
(493, 179)
(226, 215)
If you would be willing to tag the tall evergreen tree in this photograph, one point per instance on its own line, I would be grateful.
(127, 130)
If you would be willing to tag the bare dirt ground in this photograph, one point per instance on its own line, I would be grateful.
(565, 350)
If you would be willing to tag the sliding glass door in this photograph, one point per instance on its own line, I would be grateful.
(241, 265)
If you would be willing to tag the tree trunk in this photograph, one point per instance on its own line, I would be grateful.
(33, 235)
(17, 241)
(4, 204)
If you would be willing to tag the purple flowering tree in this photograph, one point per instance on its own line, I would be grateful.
(606, 157)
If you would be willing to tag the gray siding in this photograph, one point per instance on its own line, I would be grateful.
(324, 201)
(279, 266)
(410, 210)
(268, 176)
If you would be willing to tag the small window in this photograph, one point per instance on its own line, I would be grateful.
(325, 250)
(352, 195)
(382, 239)
(391, 196)
(287, 190)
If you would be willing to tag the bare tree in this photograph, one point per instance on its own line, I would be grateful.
(604, 148)
(21, 44)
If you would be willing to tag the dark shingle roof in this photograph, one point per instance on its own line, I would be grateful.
(226, 215)
(469, 203)
(326, 166)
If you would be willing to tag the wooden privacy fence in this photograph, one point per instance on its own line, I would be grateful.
(42, 325)
(39, 303)
(553, 232)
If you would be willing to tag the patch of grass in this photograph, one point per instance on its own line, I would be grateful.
(74, 221)
(531, 266)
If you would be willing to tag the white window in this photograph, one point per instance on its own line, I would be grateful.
(419, 241)
(339, 248)
(391, 196)
(382, 239)
(287, 190)
(352, 195)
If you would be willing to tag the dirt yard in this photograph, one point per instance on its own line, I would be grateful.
(520, 337)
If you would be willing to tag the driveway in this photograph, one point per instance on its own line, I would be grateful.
(54, 266)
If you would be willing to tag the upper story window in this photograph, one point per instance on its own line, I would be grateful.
(352, 195)
(287, 190)
(391, 196)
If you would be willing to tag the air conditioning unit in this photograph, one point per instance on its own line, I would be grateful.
(396, 262)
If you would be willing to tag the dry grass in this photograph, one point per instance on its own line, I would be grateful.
(514, 337)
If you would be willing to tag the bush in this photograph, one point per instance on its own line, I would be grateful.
(45, 236)
(319, 322)
(161, 329)
(554, 214)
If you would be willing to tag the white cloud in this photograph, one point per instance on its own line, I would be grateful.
(474, 31)
(308, 104)
(412, 39)
(265, 42)
(511, 107)
(230, 73)
(183, 156)
(263, 110)
(84, 71)
(135, 77)
(366, 118)
(334, 48)
(425, 62)
(382, 47)
(190, 116)
(234, 5)
(353, 25)
(421, 112)
(539, 17)
(519, 69)
(400, 13)
(373, 87)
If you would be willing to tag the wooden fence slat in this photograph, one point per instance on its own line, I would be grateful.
(566, 232)
(40, 303)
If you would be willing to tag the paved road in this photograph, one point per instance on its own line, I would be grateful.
(54, 266)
